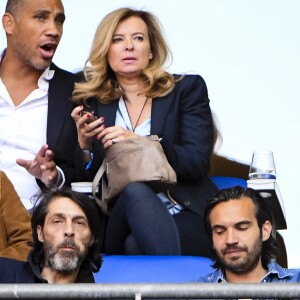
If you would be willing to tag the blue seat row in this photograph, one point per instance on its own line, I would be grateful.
(151, 269)
(223, 182)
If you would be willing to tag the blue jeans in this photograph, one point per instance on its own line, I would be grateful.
(140, 222)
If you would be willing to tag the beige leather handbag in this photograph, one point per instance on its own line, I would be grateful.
(140, 159)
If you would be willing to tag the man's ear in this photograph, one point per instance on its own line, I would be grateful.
(8, 22)
(40, 234)
(266, 230)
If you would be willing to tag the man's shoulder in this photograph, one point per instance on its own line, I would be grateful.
(4, 261)
(213, 277)
(15, 271)
(62, 72)
(62, 78)
(189, 79)
(277, 273)
(295, 274)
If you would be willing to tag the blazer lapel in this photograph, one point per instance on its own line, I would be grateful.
(160, 109)
(58, 107)
(108, 111)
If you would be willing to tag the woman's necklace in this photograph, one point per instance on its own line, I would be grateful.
(137, 121)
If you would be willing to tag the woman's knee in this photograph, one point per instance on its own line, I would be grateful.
(132, 186)
(138, 194)
(138, 191)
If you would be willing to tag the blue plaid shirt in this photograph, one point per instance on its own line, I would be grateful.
(275, 274)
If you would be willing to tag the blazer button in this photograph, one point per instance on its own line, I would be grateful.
(187, 203)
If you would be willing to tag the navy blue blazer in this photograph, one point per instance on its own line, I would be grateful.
(184, 122)
(61, 128)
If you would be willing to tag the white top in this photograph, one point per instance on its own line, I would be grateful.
(123, 120)
(22, 133)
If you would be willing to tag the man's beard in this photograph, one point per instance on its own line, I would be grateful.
(24, 53)
(245, 265)
(64, 261)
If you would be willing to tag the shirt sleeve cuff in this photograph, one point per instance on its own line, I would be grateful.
(60, 177)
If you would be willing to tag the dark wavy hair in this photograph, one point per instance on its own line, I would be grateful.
(262, 214)
(93, 260)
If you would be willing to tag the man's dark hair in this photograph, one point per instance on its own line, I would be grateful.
(262, 214)
(14, 6)
(93, 215)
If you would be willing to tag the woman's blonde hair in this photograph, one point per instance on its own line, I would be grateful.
(100, 80)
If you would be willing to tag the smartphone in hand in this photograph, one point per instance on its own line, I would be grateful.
(92, 114)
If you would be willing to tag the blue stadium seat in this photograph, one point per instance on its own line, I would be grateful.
(224, 182)
(151, 269)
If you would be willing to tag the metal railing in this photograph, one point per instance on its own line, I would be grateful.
(151, 291)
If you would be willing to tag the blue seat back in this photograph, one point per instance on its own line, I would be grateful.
(147, 268)
(224, 182)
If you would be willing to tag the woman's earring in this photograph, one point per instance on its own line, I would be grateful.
(150, 56)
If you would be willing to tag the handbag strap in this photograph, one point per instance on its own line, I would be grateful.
(97, 179)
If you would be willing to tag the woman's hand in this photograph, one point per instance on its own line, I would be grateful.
(87, 125)
(114, 134)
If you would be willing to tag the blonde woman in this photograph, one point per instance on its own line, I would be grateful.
(132, 94)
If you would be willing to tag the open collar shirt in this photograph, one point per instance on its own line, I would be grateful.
(275, 274)
(22, 133)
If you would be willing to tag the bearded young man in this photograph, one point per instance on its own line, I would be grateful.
(242, 230)
(65, 245)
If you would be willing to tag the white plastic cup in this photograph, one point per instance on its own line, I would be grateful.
(83, 187)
